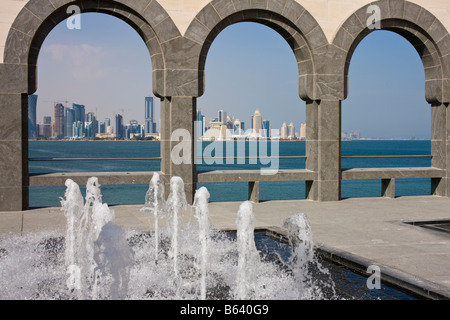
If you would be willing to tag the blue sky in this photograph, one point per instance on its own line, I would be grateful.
(106, 67)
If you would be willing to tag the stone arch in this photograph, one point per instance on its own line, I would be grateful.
(417, 25)
(38, 18)
(432, 42)
(287, 17)
(18, 73)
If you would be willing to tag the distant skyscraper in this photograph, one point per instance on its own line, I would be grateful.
(80, 114)
(200, 124)
(45, 129)
(102, 127)
(222, 116)
(78, 129)
(70, 119)
(119, 126)
(266, 128)
(58, 129)
(291, 131)
(284, 131)
(150, 124)
(303, 131)
(257, 123)
(32, 103)
(91, 127)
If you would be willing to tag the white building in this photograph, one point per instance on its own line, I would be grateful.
(284, 131)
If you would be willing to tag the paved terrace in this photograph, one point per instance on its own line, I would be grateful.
(359, 232)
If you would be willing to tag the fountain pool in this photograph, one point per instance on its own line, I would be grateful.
(183, 258)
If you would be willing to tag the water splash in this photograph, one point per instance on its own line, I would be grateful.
(202, 214)
(248, 255)
(176, 203)
(156, 204)
(312, 279)
(94, 245)
(96, 259)
(113, 256)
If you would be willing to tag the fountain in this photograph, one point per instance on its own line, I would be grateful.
(183, 257)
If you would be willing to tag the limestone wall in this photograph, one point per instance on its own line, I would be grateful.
(330, 14)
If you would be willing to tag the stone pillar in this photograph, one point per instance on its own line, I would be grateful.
(311, 147)
(439, 147)
(329, 150)
(253, 191)
(447, 151)
(179, 155)
(388, 188)
(13, 152)
(164, 140)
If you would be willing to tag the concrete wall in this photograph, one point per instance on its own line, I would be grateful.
(330, 14)
(323, 35)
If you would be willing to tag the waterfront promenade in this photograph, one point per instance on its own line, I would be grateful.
(358, 231)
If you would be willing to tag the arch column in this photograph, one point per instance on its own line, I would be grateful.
(329, 150)
(177, 143)
(323, 149)
(447, 160)
(13, 138)
(439, 141)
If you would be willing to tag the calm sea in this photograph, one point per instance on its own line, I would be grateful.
(135, 194)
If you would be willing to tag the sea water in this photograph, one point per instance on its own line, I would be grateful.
(286, 190)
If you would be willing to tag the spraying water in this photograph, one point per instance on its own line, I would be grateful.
(176, 203)
(95, 246)
(248, 255)
(97, 259)
(303, 261)
(202, 215)
(155, 203)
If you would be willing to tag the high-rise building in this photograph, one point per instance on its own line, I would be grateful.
(45, 129)
(78, 129)
(291, 131)
(257, 123)
(58, 128)
(80, 115)
(200, 124)
(150, 124)
(91, 126)
(133, 129)
(266, 128)
(284, 131)
(102, 128)
(70, 119)
(119, 126)
(303, 131)
(32, 103)
(222, 116)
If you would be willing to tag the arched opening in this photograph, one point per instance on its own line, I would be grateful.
(91, 103)
(385, 114)
(251, 82)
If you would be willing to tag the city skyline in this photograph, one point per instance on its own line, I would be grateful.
(75, 122)
(105, 64)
